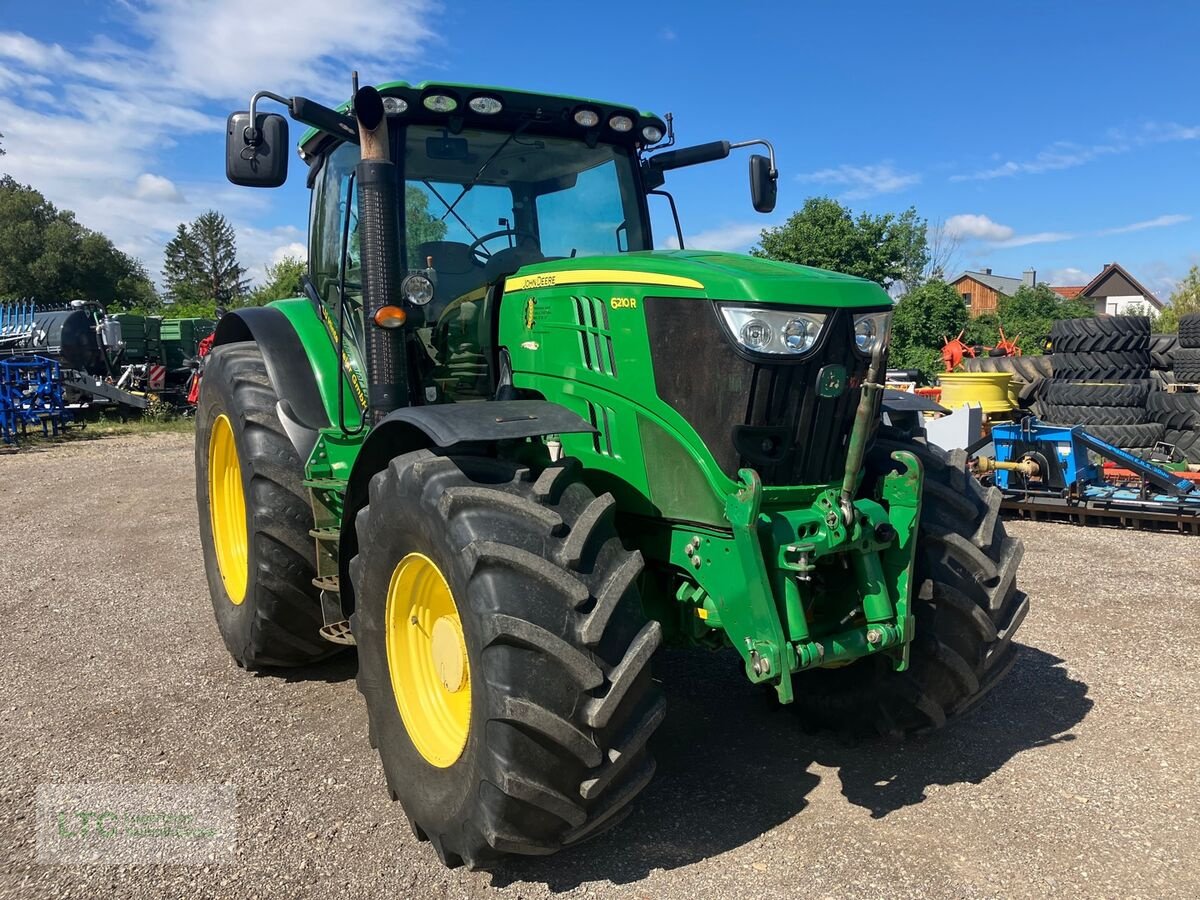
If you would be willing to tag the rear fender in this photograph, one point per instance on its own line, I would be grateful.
(290, 365)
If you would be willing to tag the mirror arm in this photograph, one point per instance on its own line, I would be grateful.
(770, 151)
(251, 135)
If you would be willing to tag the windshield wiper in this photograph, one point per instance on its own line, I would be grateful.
(487, 162)
(450, 209)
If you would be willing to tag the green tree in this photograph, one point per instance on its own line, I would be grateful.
(983, 331)
(200, 263)
(1184, 299)
(284, 279)
(888, 249)
(47, 255)
(923, 319)
(1029, 313)
(181, 268)
(421, 225)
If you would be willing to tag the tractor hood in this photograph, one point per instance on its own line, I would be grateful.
(718, 276)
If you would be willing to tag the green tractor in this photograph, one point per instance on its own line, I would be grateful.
(508, 450)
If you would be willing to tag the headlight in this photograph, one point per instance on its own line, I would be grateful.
(417, 289)
(871, 330)
(776, 331)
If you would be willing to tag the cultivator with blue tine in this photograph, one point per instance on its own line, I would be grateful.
(17, 324)
(31, 393)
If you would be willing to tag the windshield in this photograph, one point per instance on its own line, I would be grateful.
(481, 204)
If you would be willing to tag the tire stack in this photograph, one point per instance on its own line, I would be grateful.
(1102, 380)
(1179, 412)
(1162, 359)
(1028, 371)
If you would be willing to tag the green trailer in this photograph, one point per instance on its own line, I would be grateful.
(181, 340)
(508, 449)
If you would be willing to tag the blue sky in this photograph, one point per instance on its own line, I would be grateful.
(1058, 136)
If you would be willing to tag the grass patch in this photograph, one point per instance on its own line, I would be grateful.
(107, 428)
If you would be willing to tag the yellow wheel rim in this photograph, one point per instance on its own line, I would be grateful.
(427, 660)
(227, 510)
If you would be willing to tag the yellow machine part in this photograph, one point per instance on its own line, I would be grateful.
(990, 390)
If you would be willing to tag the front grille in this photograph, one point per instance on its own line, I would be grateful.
(756, 413)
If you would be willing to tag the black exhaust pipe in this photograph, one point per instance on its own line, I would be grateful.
(379, 241)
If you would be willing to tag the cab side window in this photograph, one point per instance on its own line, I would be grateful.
(330, 208)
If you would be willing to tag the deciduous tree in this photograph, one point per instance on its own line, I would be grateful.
(47, 255)
(889, 249)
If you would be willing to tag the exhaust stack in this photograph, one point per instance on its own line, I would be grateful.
(379, 240)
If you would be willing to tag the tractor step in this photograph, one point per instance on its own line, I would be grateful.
(338, 633)
(325, 484)
(331, 533)
(327, 583)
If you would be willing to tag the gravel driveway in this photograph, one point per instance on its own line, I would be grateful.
(1078, 776)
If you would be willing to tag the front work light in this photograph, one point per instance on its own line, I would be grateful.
(587, 118)
(780, 332)
(487, 106)
(442, 103)
(417, 289)
(394, 106)
(652, 134)
(620, 123)
(871, 329)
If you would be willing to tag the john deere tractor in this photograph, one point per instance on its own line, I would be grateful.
(508, 450)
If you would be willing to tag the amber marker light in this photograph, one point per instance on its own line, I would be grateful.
(390, 317)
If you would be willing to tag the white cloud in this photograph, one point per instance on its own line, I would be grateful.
(1069, 275)
(1058, 156)
(734, 236)
(89, 125)
(976, 227)
(1159, 222)
(156, 187)
(259, 248)
(971, 226)
(294, 249)
(864, 181)
(1040, 237)
(1067, 155)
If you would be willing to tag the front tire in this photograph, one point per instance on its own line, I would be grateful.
(965, 600)
(254, 517)
(541, 600)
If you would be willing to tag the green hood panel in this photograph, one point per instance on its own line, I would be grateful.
(731, 276)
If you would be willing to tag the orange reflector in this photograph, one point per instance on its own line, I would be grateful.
(390, 317)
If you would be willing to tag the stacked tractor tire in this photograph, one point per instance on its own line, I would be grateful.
(1027, 371)
(1176, 406)
(1102, 380)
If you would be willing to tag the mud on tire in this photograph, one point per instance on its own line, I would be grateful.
(966, 603)
(559, 650)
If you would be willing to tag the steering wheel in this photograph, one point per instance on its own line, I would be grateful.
(481, 254)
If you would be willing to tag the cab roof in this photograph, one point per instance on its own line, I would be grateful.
(547, 113)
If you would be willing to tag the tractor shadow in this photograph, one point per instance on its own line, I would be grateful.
(732, 765)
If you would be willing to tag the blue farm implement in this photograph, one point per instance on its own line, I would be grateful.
(31, 394)
(1060, 472)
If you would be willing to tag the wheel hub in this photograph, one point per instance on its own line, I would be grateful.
(449, 653)
(427, 660)
(227, 510)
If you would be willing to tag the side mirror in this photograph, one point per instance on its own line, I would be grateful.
(256, 157)
(764, 184)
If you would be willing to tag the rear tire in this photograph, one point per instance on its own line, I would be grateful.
(558, 649)
(277, 618)
(965, 600)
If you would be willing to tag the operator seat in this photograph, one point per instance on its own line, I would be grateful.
(457, 272)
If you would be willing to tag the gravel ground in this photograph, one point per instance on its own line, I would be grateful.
(1078, 776)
